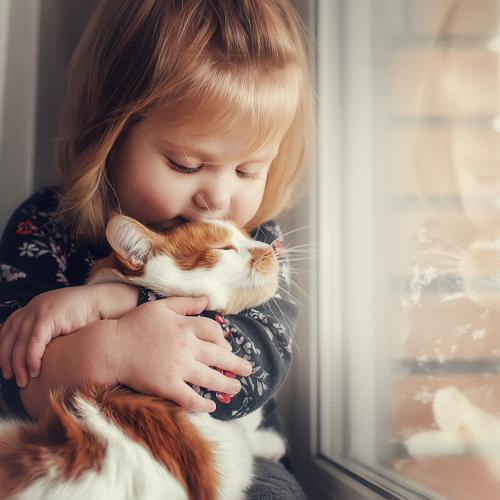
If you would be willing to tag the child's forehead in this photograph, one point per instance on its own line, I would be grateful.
(223, 144)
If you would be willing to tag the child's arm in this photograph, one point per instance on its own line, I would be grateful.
(36, 255)
(68, 360)
(29, 329)
(155, 349)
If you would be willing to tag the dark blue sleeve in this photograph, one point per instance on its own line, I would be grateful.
(32, 261)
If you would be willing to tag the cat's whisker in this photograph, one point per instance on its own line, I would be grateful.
(300, 249)
(440, 239)
(292, 297)
(297, 259)
(189, 160)
(292, 231)
(294, 255)
(283, 235)
(441, 265)
(296, 246)
(285, 319)
(290, 338)
(283, 289)
(297, 250)
(299, 287)
(197, 212)
(297, 270)
(271, 310)
(433, 253)
(438, 261)
(300, 245)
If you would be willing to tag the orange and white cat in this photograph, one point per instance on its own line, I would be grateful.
(97, 442)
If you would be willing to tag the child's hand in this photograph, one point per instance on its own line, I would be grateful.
(159, 348)
(26, 333)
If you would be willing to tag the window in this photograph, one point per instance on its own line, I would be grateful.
(402, 395)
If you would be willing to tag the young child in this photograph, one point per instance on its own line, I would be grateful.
(176, 111)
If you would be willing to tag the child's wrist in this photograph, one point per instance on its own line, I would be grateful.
(115, 299)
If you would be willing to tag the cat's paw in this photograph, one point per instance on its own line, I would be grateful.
(268, 444)
(434, 443)
(449, 407)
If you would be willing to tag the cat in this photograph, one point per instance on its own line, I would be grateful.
(103, 442)
(463, 429)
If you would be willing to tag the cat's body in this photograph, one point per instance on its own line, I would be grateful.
(101, 442)
(463, 428)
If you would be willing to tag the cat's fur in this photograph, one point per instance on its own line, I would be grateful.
(109, 442)
(463, 429)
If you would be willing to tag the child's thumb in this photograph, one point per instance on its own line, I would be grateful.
(187, 306)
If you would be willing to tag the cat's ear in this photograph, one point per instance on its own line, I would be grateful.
(131, 241)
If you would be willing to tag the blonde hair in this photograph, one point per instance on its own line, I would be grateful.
(210, 60)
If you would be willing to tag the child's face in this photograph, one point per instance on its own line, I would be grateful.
(210, 177)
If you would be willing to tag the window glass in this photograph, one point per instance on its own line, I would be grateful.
(420, 248)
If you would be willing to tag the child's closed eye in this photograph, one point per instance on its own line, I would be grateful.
(248, 175)
(183, 169)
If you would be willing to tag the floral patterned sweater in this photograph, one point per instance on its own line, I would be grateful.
(37, 255)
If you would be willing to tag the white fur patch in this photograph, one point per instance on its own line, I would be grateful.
(129, 471)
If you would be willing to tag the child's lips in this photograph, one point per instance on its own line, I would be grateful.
(210, 216)
(179, 220)
(169, 224)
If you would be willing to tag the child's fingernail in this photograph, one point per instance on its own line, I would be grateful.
(33, 374)
(21, 383)
(235, 387)
(212, 407)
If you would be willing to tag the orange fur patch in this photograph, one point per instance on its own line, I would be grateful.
(59, 439)
(164, 429)
(193, 245)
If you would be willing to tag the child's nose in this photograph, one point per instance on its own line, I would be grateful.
(213, 200)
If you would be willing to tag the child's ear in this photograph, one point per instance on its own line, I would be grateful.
(131, 241)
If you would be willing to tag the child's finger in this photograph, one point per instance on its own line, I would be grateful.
(211, 332)
(212, 355)
(7, 342)
(18, 364)
(40, 336)
(34, 354)
(189, 399)
(204, 376)
(187, 306)
(19, 352)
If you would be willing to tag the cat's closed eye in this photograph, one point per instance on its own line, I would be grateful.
(228, 247)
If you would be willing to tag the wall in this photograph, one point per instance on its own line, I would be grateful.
(36, 42)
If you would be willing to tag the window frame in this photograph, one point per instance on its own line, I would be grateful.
(335, 27)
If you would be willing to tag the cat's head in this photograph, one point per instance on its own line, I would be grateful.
(213, 258)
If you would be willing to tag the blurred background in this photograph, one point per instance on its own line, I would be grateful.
(395, 389)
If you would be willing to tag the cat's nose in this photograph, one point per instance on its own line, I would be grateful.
(263, 258)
